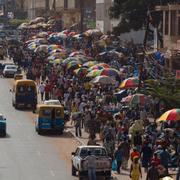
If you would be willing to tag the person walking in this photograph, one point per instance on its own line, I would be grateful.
(165, 158)
(152, 173)
(118, 156)
(41, 90)
(126, 147)
(91, 160)
(78, 125)
(178, 171)
(135, 170)
(146, 154)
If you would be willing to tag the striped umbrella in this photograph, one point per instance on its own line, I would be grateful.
(110, 72)
(94, 73)
(137, 99)
(90, 63)
(80, 72)
(73, 64)
(171, 115)
(130, 83)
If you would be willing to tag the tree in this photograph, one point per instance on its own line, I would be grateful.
(167, 90)
(133, 13)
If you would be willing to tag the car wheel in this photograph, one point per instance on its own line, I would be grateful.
(16, 105)
(107, 177)
(73, 171)
(39, 131)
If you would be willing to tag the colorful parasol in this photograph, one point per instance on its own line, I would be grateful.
(73, 64)
(90, 63)
(42, 48)
(53, 47)
(94, 73)
(104, 65)
(102, 80)
(75, 53)
(129, 83)
(137, 99)
(171, 115)
(69, 59)
(56, 61)
(95, 67)
(126, 99)
(110, 72)
(80, 72)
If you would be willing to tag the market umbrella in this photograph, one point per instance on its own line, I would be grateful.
(104, 65)
(56, 61)
(32, 46)
(59, 55)
(81, 72)
(137, 99)
(94, 73)
(171, 115)
(53, 47)
(73, 64)
(42, 34)
(95, 68)
(55, 51)
(167, 178)
(110, 72)
(104, 80)
(76, 53)
(130, 83)
(90, 63)
(127, 99)
(91, 32)
(69, 59)
(42, 48)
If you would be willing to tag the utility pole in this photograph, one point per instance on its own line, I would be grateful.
(82, 15)
(47, 8)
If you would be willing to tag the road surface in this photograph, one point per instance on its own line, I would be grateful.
(24, 155)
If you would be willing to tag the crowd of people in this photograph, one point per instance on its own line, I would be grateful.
(129, 133)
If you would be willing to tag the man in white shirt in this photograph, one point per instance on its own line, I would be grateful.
(91, 159)
(41, 90)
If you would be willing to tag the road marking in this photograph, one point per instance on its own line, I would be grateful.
(52, 173)
(20, 124)
(39, 153)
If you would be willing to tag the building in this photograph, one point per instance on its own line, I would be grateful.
(171, 25)
(103, 21)
(171, 35)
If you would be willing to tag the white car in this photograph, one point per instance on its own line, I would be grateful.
(80, 164)
(9, 71)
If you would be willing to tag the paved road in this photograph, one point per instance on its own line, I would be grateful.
(24, 155)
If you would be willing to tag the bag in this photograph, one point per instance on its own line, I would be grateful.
(114, 165)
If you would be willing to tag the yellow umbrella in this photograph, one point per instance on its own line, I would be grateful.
(167, 178)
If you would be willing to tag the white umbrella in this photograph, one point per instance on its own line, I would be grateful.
(103, 80)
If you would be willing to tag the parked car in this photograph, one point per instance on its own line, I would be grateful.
(79, 163)
(9, 71)
(2, 126)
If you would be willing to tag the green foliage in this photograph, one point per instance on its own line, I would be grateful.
(17, 22)
(133, 13)
(167, 90)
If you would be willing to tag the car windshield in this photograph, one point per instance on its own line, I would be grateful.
(94, 151)
(11, 67)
